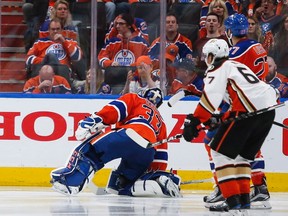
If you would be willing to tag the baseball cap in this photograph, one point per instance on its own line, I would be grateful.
(171, 52)
(185, 63)
(143, 59)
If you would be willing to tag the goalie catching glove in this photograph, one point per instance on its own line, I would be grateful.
(88, 126)
(190, 128)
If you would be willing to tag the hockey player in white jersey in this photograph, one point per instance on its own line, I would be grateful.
(236, 143)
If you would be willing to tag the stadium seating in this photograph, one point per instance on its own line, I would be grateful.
(115, 76)
(187, 13)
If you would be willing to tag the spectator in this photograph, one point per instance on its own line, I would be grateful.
(47, 83)
(55, 49)
(276, 79)
(84, 86)
(212, 26)
(172, 37)
(143, 78)
(170, 55)
(279, 49)
(139, 23)
(268, 20)
(220, 7)
(34, 15)
(186, 78)
(62, 12)
(254, 30)
(124, 49)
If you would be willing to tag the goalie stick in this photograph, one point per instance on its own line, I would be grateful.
(95, 189)
(196, 181)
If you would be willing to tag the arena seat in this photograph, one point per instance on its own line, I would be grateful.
(153, 32)
(187, 13)
(189, 30)
(115, 76)
(149, 11)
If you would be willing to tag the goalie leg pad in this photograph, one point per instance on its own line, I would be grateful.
(169, 187)
(168, 183)
(147, 188)
(79, 171)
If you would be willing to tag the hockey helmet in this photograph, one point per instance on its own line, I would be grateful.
(238, 24)
(154, 95)
(217, 47)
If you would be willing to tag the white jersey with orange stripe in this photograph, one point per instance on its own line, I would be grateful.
(245, 91)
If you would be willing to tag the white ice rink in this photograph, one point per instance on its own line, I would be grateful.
(43, 201)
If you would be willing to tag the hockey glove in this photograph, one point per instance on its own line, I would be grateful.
(214, 122)
(89, 125)
(190, 128)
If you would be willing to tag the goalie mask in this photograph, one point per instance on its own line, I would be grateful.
(216, 47)
(154, 95)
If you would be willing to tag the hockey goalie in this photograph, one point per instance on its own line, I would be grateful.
(141, 171)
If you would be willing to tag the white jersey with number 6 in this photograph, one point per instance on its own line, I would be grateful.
(243, 88)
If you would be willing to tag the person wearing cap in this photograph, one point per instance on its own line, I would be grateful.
(186, 78)
(144, 77)
(170, 56)
(172, 37)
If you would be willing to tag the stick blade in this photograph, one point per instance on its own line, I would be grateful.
(96, 190)
(175, 98)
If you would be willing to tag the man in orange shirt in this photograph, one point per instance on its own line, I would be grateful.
(55, 49)
(47, 83)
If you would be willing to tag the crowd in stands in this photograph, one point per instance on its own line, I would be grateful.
(52, 38)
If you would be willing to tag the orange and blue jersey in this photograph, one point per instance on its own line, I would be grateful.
(60, 86)
(139, 114)
(182, 42)
(66, 52)
(252, 54)
(125, 52)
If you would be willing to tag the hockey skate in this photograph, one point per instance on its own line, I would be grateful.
(260, 196)
(214, 197)
(236, 203)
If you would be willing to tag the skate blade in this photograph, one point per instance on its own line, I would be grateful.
(235, 212)
(207, 205)
(260, 205)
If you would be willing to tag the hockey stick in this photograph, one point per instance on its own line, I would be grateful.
(197, 181)
(226, 121)
(95, 189)
(280, 125)
(151, 145)
(177, 97)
